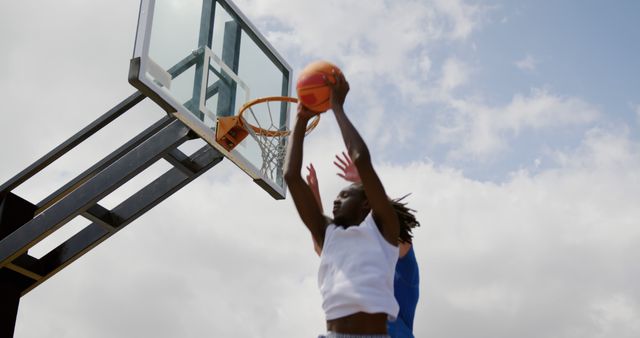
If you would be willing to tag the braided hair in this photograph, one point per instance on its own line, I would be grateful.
(406, 218)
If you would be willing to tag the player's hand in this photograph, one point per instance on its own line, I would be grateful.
(339, 89)
(349, 170)
(312, 181)
(312, 178)
(304, 112)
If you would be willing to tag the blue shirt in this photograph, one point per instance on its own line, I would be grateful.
(406, 289)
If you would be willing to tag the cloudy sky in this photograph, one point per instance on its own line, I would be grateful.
(514, 124)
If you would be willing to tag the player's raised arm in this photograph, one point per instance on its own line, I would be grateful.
(302, 195)
(381, 207)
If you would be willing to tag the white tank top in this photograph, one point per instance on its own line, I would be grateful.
(356, 273)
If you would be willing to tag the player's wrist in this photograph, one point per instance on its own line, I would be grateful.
(302, 117)
(338, 109)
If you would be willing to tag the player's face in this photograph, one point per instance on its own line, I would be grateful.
(349, 206)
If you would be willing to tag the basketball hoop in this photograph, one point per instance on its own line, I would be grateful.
(271, 136)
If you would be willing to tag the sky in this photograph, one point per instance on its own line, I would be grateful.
(515, 126)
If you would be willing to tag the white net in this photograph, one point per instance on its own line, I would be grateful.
(270, 134)
(266, 121)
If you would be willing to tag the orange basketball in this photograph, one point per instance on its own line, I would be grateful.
(312, 89)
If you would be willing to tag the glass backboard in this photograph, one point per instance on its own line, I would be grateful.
(201, 60)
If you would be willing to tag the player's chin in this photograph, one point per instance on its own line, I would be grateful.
(338, 219)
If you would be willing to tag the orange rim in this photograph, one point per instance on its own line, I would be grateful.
(273, 133)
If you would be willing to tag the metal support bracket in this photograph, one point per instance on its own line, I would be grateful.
(23, 224)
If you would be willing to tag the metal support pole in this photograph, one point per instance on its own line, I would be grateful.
(9, 302)
(231, 57)
(14, 211)
(202, 65)
(92, 191)
(126, 212)
(72, 142)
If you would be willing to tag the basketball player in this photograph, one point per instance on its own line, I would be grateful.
(359, 244)
(407, 279)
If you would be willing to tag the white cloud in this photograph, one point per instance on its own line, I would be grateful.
(479, 130)
(616, 316)
(463, 15)
(384, 47)
(454, 74)
(376, 42)
(528, 63)
(424, 64)
(545, 255)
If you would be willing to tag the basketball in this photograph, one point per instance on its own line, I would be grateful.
(313, 92)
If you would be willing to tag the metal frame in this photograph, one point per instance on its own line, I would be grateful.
(23, 224)
(141, 64)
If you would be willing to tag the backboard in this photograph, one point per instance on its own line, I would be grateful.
(201, 60)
